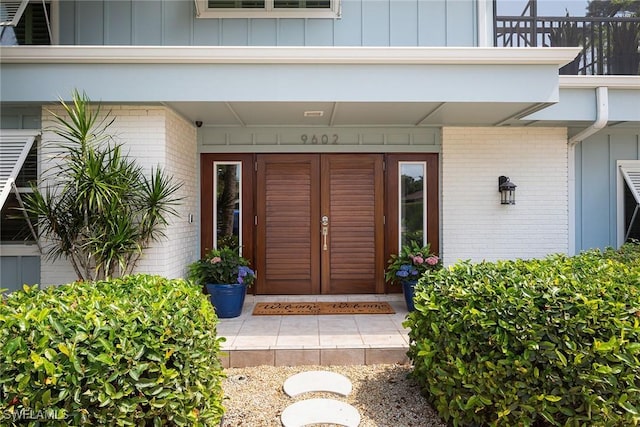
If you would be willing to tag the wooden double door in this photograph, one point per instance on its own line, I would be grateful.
(319, 223)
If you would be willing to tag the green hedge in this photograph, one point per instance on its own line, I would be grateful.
(141, 350)
(539, 342)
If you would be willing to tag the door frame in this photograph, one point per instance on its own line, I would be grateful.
(391, 203)
(207, 196)
(391, 195)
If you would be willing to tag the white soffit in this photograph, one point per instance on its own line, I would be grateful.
(14, 148)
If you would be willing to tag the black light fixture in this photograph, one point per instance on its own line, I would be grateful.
(507, 191)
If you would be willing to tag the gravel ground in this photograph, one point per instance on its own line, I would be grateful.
(383, 394)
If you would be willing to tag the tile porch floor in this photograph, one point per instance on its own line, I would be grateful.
(292, 340)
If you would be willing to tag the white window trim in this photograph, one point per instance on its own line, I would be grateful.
(623, 166)
(202, 11)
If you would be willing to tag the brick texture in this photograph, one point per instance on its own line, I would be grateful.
(154, 136)
(475, 225)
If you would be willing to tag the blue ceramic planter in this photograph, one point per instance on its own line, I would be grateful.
(408, 291)
(227, 299)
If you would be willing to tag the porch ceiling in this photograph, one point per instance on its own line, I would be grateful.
(353, 113)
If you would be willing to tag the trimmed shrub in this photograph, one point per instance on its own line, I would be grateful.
(539, 342)
(137, 351)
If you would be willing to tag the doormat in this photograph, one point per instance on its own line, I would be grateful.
(284, 308)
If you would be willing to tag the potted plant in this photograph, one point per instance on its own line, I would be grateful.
(408, 266)
(225, 276)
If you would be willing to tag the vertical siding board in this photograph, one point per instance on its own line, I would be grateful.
(90, 28)
(30, 269)
(291, 32)
(235, 32)
(9, 272)
(461, 23)
(178, 18)
(263, 32)
(432, 22)
(67, 27)
(319, 32)
(596, 188)
(375, 23)
(348, 30)
(147, 19)
(18, 270)
(363, 23)
(117, 21)
(206, 32)
(403, 23)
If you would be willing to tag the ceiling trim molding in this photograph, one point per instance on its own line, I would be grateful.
(286, 55)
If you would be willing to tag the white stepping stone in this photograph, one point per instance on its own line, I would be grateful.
(320, 411)
(305, 382)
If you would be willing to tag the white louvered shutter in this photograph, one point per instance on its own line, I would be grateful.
(14, 148)
(11, 11)
(631, 174)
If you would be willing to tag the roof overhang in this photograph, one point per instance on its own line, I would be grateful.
(577, 104)
(428, 86)
(287, 55)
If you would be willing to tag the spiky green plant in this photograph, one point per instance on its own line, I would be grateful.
(95, 205)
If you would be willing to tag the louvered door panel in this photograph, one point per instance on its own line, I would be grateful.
(287, 224)
(352, 199)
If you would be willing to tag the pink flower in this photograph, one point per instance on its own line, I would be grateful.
(215, 260)
(418, 260)
(432, 260)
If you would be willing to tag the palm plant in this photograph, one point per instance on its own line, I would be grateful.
(95, 206)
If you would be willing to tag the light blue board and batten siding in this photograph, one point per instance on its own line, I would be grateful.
(363, 23)
(596, 185)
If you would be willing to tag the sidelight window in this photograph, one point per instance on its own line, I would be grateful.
(228, 204)
(412, 203)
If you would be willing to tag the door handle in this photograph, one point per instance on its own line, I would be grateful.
(325, 232)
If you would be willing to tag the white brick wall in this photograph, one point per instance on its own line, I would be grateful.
(154, 135)
(474, 224)
(181, 245)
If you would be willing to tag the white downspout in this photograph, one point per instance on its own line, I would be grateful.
(602, 117)
(484, 38)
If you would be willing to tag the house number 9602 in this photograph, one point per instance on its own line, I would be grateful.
(323, 139)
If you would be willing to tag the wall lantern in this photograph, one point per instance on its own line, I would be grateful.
(507, 191)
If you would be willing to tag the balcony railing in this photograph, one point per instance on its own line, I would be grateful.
(609, 45)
